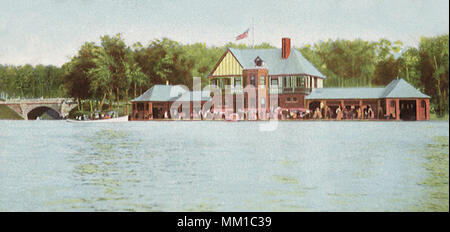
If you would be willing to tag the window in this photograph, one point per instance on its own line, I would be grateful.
(237, 82)
(274, 81)
(423, 104)
(252, 80)
(291, 99)
(294, 81)
(262, 80)
(288, 82)
(214, 81)
(315, 82)
(300, 81)
(227, 81)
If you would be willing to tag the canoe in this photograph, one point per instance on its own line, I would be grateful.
(119, 119)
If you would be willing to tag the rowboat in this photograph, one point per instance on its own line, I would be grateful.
(119, 119)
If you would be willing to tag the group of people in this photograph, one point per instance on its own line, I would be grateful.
(97, 116)
(350, 112)
(322, 112)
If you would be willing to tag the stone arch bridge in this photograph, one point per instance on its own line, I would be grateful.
(30, 109)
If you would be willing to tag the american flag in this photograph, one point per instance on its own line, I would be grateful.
(243, 35)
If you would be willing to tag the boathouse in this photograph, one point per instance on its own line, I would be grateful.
(282, 71)
(156, 102)
(398, 100)
(296, 83)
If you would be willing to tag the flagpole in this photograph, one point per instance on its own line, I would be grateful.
(253, 34)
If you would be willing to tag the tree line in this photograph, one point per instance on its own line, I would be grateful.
(113, 71)
(356, 63)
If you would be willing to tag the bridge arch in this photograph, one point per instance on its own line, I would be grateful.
(39, 111)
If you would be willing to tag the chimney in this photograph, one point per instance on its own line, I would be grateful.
(285, 48)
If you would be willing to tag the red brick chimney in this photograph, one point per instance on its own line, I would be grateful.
(285, 48)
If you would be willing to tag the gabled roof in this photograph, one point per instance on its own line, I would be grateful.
(398, 88)
(295, 64)
(161, 93)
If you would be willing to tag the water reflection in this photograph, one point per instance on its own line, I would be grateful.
(216, 166)
(436, 182)
(107, 164)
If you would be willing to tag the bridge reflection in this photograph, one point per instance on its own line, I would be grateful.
(50, 108)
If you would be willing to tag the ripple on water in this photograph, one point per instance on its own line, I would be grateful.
(216, 166)
(436, 181)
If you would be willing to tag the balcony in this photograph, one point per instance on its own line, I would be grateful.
(281, 90)
(274, 89)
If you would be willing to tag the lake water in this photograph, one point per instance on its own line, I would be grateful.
(220, 166)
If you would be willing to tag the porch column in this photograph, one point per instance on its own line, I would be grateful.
(378, 116)
(427, 109)
(191, 111)
(167, 110)
(361, 109)
(397, 109)
(150, 108)
(418, 109)
(388, 108)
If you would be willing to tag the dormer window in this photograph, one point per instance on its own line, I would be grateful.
(258, 61)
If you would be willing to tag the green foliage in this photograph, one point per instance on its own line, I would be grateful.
(112, 69)
(361, 63)
(434, 67)
(31, 82)
(386, 70)
(7, 113)
(344, 62)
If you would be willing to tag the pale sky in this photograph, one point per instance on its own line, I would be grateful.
(49, 32)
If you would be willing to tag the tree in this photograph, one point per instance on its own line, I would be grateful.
(114, 54)
(135, 78)
(409, 66)
(100, 76)
(77, 82)
(385, 71)
(434, 66)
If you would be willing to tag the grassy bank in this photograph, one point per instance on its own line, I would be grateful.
(434, 116)
(7, 113)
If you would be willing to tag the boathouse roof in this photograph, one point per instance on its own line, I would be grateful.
(194, 96)
(161, 93)
(294, 64)
(398, 88)
(171, 93)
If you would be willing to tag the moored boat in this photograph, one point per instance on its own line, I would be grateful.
(119, 119)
